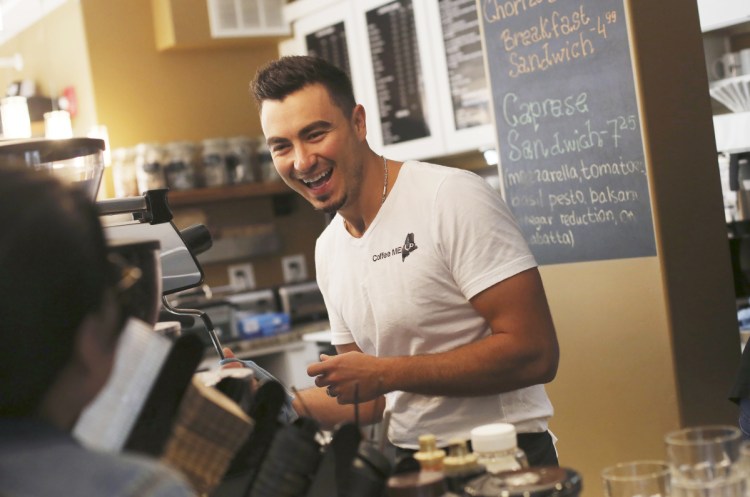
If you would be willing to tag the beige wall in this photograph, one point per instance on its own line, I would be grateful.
(143, 94)
(146, 95)
(615, 393)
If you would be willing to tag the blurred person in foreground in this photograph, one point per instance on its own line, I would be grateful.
(436, 306)
(61, 320)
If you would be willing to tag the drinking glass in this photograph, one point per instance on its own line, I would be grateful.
(733, 485)
(637, 479)
(744, 461)
(703, 453)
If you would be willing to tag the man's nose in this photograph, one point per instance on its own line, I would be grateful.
(304, 159)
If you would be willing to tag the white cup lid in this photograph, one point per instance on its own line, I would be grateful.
(493, 437)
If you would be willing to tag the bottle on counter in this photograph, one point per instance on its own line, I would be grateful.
(214, 162)
(239, 160)
(430, 458)
(179, 169)
(124, 173)
(496, 447)
(148, 167)
(460, 466)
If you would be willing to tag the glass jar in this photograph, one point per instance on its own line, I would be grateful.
(148, 167)
(496, 447)
(180, 166)
(124, 173)
(214, 162)
(239, 159)
(265, 163)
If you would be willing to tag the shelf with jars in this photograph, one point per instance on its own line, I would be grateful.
(222, 193)
(213, 170)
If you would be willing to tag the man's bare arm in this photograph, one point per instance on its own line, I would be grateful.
(521, 351)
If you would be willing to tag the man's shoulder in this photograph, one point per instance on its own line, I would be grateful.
(438, 175)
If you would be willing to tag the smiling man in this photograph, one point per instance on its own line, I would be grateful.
(436, 307)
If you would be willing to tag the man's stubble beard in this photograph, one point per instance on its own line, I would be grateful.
(357, 188)
(333, 209)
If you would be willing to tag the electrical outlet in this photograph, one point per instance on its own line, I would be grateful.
(294, 268)
(242, 276)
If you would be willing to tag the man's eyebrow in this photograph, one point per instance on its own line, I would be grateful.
(274, 140)
(313, 126)
(320, 124)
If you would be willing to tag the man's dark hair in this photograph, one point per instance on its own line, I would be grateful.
(53, 272)
(280, 78)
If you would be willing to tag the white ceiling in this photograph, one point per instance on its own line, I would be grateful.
(17, 15)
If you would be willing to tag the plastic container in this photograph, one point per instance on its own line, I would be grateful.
(239, 160)
(253, 325)
(179, 169)
(214, 162)
(496, 447)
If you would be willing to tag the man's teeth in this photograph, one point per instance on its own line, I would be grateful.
(317, 178)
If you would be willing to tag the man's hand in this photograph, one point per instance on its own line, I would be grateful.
(350, 377)
(228, 354)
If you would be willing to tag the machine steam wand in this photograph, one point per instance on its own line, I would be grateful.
(204, 317)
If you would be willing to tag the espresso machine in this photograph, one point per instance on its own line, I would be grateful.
(138, 229)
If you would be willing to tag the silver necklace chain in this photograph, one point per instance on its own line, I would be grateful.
(385, 179)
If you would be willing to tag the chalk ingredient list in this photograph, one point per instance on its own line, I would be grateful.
(568, 130)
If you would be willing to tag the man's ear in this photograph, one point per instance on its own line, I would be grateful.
(359, 121)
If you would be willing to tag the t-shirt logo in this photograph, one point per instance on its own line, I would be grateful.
(409, 246)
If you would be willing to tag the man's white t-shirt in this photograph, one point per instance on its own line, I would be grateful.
(442, 236)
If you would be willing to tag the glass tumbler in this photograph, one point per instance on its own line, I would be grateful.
(703, 453)
(734, 485)
(637, 479)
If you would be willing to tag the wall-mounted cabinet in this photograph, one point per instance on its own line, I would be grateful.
(184, 24)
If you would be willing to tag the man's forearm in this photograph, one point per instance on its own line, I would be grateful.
(485, 367)
(316, 404)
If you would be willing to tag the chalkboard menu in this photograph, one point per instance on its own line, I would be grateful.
(398, 72)
(329, 43)
(568, 130)
(470, 92)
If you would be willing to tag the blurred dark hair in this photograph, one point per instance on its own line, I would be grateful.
(280, 78)
(53, 272)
